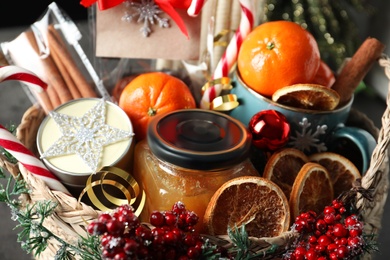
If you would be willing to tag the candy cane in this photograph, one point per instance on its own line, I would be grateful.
(11, 72)
(35, 166)
(229, 57)
(195, 7)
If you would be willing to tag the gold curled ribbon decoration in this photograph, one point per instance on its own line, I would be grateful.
(224, 82)
(119, 181)
(224, 102)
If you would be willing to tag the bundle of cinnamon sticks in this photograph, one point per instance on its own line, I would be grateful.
(65, 80)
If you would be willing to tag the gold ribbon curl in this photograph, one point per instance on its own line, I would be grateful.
(224, 102)
(121, 181)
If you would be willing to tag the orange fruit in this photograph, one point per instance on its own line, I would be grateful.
(307, 96)
(153, 93)
(277, 54)
(255, 202)
(324, 75)
(341, 170)
(312, 190)
(283, 166)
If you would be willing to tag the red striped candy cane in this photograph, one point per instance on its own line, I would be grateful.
(229, 57)
(11, 72)
(35, 166)
(195, 7)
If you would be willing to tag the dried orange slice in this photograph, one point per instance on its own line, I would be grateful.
(307, 96)
(283, 166)
(312, 190)
(341, 170)
(255, 202)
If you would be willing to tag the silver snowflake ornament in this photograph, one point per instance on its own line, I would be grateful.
(85, 136)
(148, 13)
(306, 140)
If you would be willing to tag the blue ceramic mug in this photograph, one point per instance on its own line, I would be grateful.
(311, 131)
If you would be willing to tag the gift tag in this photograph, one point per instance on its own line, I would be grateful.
(118, 38)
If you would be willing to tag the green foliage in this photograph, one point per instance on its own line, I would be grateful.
(32, 234)
(330, 22)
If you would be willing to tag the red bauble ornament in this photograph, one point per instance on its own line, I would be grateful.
(270, 130)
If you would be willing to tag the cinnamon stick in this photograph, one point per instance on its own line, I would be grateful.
(44, 101)
(53, 95)
(357, 68)
(65, 74)
(52, 73)
(56, 44)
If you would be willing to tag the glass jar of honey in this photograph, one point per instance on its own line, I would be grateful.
(187, 156)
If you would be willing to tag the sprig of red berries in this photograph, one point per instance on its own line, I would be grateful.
(333, 235)
(171, 237)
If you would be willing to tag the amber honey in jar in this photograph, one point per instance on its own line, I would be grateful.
(187, 156)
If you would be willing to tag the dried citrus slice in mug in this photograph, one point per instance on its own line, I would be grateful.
(307, 96)
(312, 190)
(255, 202)
(341, 170)
(283, 167)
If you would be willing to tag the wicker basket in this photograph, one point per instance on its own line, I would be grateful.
(69, 219)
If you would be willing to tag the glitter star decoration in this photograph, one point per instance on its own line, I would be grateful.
(85, 136)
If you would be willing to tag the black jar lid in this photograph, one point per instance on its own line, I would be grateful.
(198, 139)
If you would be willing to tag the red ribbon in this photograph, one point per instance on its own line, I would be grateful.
(166, 5)
(103, 4)
(168, 8)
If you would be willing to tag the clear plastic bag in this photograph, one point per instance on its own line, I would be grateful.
(55, 49)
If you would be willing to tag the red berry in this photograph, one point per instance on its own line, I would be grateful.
(120, 256)
(193, 252)
(170, 218)
(351, 221)
(115, 227)
(312, 239)
(333, 256)
(300, 225)
(106, 238)
(329, 210)
(329, 218)
(104, 218)
(178, 208)
(171, 238)
(324, 240)
(130, 246)
(144, 233)
(320, 248)
(342, 252)
(192, 218)
(96, 228)
(355, 232)
(157, 219)
(355, 242)
(331, 247)
(339, 230)
(321, 225)
(311, 254)
(337, 204)
(125, 210)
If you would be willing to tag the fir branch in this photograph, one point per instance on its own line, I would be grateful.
(12, 128)
(32, 234)
(240, 238)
